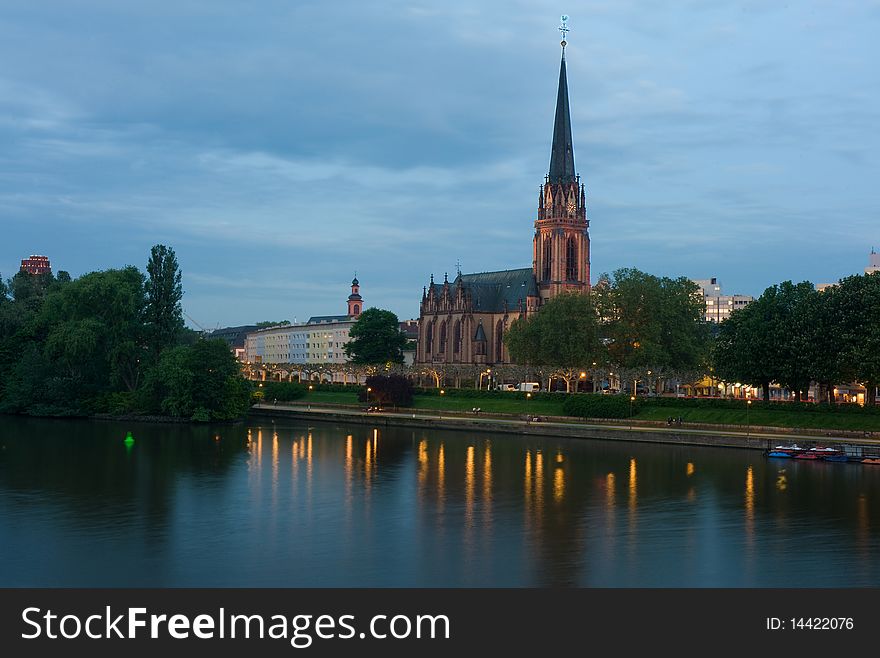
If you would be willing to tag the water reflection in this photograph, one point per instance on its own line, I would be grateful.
(361, 506)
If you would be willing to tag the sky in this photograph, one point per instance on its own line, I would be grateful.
(280, 146)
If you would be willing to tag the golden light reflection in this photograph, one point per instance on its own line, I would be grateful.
(781, 481)
(609, 491)
(368, 463)
(259, 447)
(309, 458)
(558, 484)
(375, 443)
(690, 469)
(349, 467)
(469, 487)
(750, 505)
(633, 484)
(441, 481)
(274, 462)
(527, 487)
(487, 473)
(423, 463)
(539, 484)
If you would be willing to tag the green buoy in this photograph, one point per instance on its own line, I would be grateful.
(129, 440)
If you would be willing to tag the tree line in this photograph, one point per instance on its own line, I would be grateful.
(635, 324)
(650, 328)
(112, 341)
(794, 335)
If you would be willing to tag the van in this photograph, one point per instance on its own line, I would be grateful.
(505, 387)
(529, 387)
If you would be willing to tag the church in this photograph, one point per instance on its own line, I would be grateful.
(463, 321)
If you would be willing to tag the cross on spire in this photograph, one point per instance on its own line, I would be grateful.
(565, 30)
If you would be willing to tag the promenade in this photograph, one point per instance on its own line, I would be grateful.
(755, 438)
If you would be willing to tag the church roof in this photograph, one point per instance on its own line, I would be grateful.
(321, 319)
(562, 152)
(490, 291)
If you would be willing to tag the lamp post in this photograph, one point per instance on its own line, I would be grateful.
(528, 414)
(632, 398)
(583, 375)
(440, 410)
(369, 390)
(748, 419)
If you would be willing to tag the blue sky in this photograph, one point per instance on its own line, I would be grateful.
(279, 146)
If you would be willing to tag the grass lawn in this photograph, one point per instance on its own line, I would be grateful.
(806, 420)
(757, 416)
(490, 405)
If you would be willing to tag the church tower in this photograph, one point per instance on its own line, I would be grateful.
(561, 246)
(355, 301)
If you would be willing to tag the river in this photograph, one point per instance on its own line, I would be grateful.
(291, 504)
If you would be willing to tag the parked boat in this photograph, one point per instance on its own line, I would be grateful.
(779, 454)
(871, 460)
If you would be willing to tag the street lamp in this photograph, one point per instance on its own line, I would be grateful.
(748, 420)
(528, 415)
(632, 398)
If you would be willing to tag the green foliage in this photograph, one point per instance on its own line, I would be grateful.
(376, 338)
(563, 332)
(163, 313)
(82, 347)
(269, 323)
(650, 321)
(793, 335)
(391, 390)
(855, 305)
(200, 382)
(600, 406)
(283, 391)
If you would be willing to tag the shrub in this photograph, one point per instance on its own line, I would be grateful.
(600, 406)
(393, 390)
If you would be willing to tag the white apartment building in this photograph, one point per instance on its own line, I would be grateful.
(718, 305)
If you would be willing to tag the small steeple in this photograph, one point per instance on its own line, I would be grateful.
(562, 152)
(355, 301)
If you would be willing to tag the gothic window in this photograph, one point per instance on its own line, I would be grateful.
(429, 337)
(441, 347)
(547, 257)
(456, 337)
(499, 333)
(571, 264)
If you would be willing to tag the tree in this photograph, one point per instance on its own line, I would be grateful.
(651, 322)
(769, 340)
(395, 390)
(163, 314)
(856, 308)
(376, 338)
(201, 382)
(562, 334)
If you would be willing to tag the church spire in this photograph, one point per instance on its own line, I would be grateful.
(562, 153)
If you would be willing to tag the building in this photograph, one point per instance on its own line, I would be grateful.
(319, 341)
(410, 329)
(718, 305)
(463, 321)
(873, 263)
(36, 265)
(234, 337)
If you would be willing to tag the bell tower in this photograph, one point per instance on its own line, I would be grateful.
(355, 301)
(561, 246)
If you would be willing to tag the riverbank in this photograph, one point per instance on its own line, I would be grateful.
(755, 438)
(779, 415)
